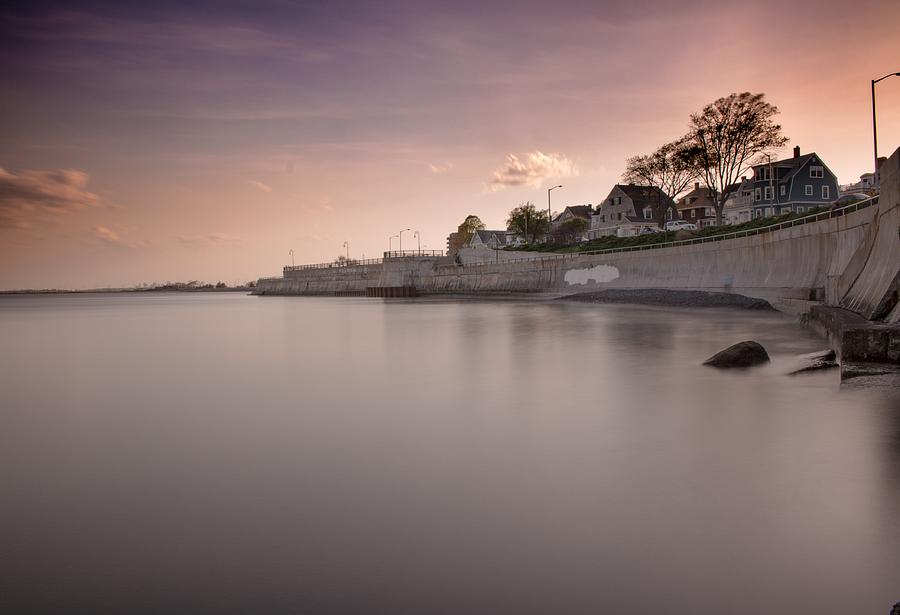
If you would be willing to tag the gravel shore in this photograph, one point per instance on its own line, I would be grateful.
(675, 298)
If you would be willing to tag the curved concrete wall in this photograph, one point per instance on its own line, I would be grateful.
(852, 260)
(870, 283)
(785, 267)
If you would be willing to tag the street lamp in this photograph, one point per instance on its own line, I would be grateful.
(874, 128)
(391, 242)
(550, 215)
(291, 252)
(418, 237)
(401, 239)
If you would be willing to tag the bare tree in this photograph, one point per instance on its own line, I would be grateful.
(670, 169)
(726, 137)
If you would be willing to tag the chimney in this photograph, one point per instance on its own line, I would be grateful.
(696, 185)
(796, 151)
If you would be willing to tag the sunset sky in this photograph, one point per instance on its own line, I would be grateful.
(155, 141)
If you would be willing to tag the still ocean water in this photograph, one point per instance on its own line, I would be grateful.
(217, 453)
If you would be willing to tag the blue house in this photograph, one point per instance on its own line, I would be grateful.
(796, 184)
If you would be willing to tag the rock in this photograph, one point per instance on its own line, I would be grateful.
(815, 361)
(743, 354)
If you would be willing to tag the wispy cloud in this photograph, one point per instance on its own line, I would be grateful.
(30, 196)
(438, 169)
(116, 237)
(208, 240)
(531, 170)
(260, 186)
(107, 235)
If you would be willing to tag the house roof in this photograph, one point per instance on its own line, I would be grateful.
(732, 188)
(486, 237)
(793, 163)
(703, 197)
(580, 211)
(642, 196)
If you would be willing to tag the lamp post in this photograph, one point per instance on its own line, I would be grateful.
(874, 126)
(347, 245)
(549, 214)
(391, 242)
(418, 237)
(291, 252)
(401, 240)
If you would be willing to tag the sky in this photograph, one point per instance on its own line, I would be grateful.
(173, 141)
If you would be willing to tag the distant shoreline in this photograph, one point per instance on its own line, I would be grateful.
(160, 289)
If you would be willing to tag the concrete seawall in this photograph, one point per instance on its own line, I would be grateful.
(850, 260)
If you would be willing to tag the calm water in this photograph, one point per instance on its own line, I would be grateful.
(216, 453)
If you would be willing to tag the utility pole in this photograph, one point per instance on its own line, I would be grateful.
(401, 240)
(549, 214)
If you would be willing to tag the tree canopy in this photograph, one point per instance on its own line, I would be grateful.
(464, 233)
(528, 221)
(727, 136)
(670, 168)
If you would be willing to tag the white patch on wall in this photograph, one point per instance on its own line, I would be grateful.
(597, 274)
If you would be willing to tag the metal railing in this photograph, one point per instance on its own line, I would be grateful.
(816, 217)
(412, 253)
(335, 264)
(362, 263)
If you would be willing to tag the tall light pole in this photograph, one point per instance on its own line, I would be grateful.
(418, 237)
(401, 239)
(874, 126)
(549, 214)
(291, 252)
(391, 242)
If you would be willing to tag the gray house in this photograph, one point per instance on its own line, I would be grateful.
(628, 205)
(796, 184)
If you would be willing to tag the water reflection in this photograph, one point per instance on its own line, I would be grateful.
(227, 454)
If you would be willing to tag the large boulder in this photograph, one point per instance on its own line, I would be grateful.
(743, 354)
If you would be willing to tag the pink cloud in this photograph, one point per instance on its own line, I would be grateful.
(31, 196)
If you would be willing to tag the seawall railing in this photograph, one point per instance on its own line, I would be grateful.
(816, 217)
(394, 254)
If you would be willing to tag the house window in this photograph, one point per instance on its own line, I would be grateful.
(668, 214)
(826, 192)
(818, 172)
(757, 213)
(768, 193)
(758, 194)
(647, 213)
(800, 209)
(620, 215)
(768, 211)
(782, 190)
(693, 213)
(707, 212)
(807, 190)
